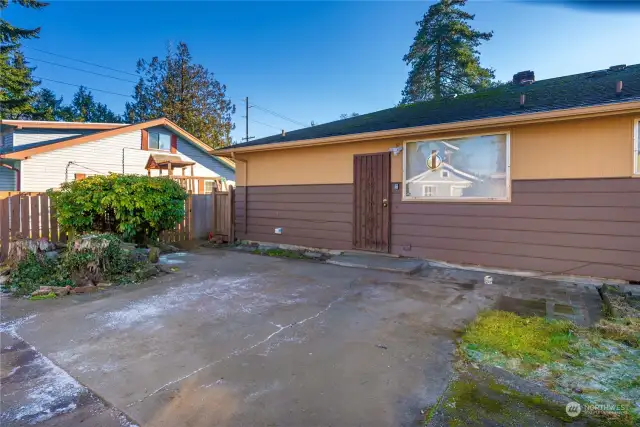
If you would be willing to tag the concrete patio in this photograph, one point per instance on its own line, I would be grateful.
(238, 339)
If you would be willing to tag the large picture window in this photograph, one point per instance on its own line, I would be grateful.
(636, 148)
(459, 169)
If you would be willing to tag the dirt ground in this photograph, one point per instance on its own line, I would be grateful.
(235, 339)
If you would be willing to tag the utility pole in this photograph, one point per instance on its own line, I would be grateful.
(246, 117)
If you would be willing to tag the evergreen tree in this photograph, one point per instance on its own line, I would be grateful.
(444, 56)
(84, 108)
(185, 93)
(16, 81)
(46, 106)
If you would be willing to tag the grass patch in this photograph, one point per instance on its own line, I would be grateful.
(280, 253)
(535, 340)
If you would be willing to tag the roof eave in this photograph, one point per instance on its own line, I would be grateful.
(539, 117)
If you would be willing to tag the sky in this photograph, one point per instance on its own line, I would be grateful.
(309, 61)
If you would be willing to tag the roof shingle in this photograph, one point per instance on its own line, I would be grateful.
(579, 90)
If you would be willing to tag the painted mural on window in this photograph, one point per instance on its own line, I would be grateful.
(463, 168)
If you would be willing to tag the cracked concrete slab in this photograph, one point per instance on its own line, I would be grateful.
(236, 339)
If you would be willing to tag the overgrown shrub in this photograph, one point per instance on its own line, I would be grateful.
(137, 207)
(35, 271)
(88, 259)
(94, 258)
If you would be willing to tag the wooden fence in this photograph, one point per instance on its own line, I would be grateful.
(31, 215)
(28, 216)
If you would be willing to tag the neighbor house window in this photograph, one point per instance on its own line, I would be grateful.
(636, 147)
(429, 190)
(159, 141)
(457, 169)
(208, 186)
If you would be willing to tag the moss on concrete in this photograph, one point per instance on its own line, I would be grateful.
(280, 253)
(597, 366)
(534, 340)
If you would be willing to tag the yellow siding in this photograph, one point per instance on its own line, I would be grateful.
(591, 148)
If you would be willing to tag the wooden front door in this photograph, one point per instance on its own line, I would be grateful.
(371, 202)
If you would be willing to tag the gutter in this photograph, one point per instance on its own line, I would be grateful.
(540, 117)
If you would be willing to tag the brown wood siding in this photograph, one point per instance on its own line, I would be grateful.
(310, 215)
(585, 227)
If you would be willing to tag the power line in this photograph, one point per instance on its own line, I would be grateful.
(266, 110)
(264, 124)
(84, 62)
(80, 69)
(92, 88)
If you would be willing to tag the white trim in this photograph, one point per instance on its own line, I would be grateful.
(507, 198)
(636, 147)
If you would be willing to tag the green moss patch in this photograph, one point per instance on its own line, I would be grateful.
(50, 295)
(535, 340)
(280, 253)
(597, 366)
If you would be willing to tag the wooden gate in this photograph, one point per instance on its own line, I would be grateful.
(206, 215)
(371, 216)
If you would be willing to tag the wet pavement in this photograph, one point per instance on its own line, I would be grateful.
(238, 339)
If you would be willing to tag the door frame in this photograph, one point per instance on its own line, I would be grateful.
(386, 190)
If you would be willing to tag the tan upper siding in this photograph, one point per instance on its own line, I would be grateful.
(588, 148)
(329, 164)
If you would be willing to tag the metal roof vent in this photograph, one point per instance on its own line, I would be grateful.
(618, 67)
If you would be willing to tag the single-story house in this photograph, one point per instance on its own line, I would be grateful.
(38, 155)
(555, 187)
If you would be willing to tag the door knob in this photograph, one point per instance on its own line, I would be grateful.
(385, 203)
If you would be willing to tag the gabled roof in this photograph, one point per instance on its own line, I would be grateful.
(113, 131)
(543, 98)
(38, 124)
(162, 161)
(447, 166)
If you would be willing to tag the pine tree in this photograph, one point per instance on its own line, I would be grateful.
(47, 107)
(444, 56)
(185, 93)
(84, 108)
(16, 82)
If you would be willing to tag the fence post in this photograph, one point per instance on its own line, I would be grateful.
(232, 214)
(189, 221)
(213, 205)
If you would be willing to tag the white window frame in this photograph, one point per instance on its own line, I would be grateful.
(506, 199)
(442, 173)
(207, 181)
(636, 147)
(433, 189)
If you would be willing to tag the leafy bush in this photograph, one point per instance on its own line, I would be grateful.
(35, 271)
(137, 207)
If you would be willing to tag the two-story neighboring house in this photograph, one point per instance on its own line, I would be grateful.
(38, 155)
